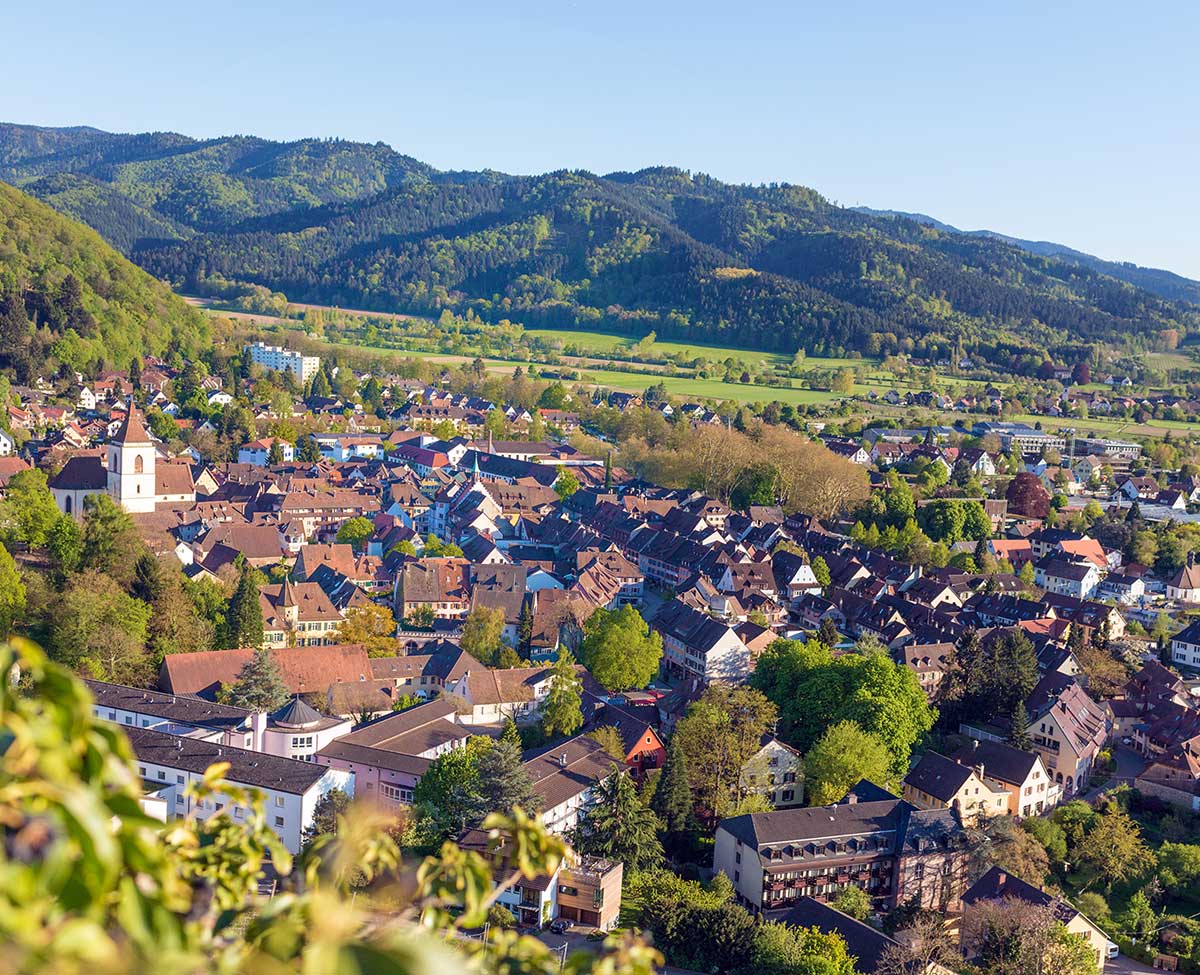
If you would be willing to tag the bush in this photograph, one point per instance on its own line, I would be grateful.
(500, 916)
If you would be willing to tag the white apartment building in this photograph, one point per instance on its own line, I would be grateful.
(276, 357)
(168, 764)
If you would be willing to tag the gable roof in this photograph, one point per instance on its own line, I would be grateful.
(304, 669)
(938, 776)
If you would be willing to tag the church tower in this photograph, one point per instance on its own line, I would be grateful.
(131, 480)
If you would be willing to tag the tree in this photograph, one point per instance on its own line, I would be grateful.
(111, 543)
(1113, 848)
(853, 901)
(1018, 726)
(998, 841)
(1179, 865)
(99, 629)
(422, 617)
(619, 648)
(326, 813)
(259, 686)
(609, 738)
(12, 593)
(372, 625)
(566, 483)
(483, 633)
(27, 511)
(525, 629)
(820, 569)
(77, 837)
(505, 782)
(843, 756)
(355, 531)
(244, 621)
(1014, 937)
(450, 790)
(618, 825)
(718, 736)
(672, 800)
(307, 451)
(562, 712)
(275, 453)
(1026, 496)
(65, 545)
(827, 633)
(814, 690)
(927, 947)
(756, 484)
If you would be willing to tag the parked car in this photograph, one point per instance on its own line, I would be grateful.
(560, 926)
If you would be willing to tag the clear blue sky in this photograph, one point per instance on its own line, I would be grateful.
(1068, 121)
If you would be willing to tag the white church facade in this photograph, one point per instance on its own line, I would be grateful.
(129, 472)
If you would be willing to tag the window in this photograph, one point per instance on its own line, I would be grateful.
(142, 771)
(279, 800)
(162, 776)
(128, 719)
(179, 780)
(279, 821)
(138, 464)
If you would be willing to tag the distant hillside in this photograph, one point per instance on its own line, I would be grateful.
(1166, 284)
(768, 267)
(66, 294)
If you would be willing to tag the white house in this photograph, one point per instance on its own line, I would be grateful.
(1068, 577)
(275, 357)
(1185, 584)
(565, 775)
(257, 452)
(8, 446)
(168, 764)
(1185, 647)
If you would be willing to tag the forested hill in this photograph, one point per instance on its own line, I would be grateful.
(774, 267)
(65, 292)
(1166, 284)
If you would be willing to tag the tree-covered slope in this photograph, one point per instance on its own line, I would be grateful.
(770, 267)
(66, 294)
(1165, 284)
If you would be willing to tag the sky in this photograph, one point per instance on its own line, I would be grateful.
(1066, 121)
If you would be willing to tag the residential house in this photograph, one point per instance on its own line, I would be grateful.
(291, 789)
(938, 782)
(564, 776)
(998, 886)
(696, 645)
(388, 756)
(776, 771)
(1021, 774)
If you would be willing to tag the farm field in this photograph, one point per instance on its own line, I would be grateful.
(603, 342)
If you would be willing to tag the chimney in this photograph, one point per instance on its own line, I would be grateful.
(562, 760)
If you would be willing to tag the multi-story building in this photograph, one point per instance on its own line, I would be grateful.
(696, 645)
(1020, 774)
(938, 782)
(276, 357)
(564, 776)
(168, 764)
(295, 730)
(886, 847)
(388, 756)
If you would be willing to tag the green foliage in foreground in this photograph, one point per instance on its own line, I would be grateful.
(91, 883)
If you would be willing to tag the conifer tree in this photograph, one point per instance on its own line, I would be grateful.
(562, 714)
(672, 800)
(511, 733)
(244, 621)
(525, 630)
(1018, 731)
(259, 685)
(505, 780)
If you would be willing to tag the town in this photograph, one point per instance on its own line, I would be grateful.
(933, 691)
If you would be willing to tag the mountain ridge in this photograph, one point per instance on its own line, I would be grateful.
(775, 267)
(1166, 284)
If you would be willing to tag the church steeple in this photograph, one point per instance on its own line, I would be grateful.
(131, 479)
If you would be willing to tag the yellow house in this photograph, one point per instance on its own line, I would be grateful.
(938, 782)
(997, 885)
